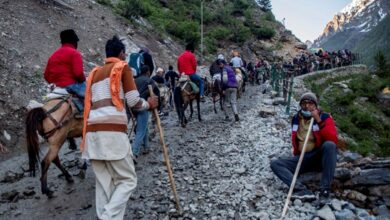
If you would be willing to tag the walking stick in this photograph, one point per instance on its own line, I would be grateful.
(166, 157)
(297, 170)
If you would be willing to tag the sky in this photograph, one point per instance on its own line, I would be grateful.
(307, 18)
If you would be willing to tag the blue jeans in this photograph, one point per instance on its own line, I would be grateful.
(199, 81)
(78, 89)
(319, 159)
(141, 132)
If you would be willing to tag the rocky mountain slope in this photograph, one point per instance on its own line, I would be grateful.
(352, 24)
(30, 33)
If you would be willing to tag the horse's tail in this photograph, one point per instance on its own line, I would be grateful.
(33, 124)
(178, 99)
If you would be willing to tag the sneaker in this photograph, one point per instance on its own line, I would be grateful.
(304, 195)
(236, 117)
(202, 99)
(324, 193)
(146, 151)
(135, 160)
(323, 199)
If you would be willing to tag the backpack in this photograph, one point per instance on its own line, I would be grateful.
(136, 60)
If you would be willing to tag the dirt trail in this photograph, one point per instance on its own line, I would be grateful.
(221, 169)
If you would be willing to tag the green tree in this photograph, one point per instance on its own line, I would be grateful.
(381, 64)
(265, 5)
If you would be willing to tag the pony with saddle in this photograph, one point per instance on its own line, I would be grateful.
(184, 94)
(55, 121)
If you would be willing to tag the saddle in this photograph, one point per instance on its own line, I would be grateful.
(76, 103)
(184, 80)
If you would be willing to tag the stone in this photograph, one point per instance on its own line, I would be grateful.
(241, 170)
(345, 214)
(267, 112)
(326, 213)
(351, 156)
(382, 211)
(336, 204)
(362, 213)
(7, 136)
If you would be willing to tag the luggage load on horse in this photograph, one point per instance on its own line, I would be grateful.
(240, 82)
(164, 94)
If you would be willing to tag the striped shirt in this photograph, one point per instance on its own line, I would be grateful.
(106, 137)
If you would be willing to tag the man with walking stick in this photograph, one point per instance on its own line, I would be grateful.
(319, 153)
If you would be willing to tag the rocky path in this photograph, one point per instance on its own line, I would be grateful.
(221, 170)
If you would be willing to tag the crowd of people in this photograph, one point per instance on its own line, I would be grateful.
(107, 146)
(308, 62)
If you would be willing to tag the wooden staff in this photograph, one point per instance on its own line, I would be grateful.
(297, 170)
(166, 157)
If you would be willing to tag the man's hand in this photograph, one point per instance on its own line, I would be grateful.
(316, 114)
(153, 102)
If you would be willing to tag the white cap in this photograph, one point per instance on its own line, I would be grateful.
(160, 70)
(221, 57)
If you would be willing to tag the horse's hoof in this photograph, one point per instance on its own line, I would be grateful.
(50, 194)
(69, 179)
(81, 174)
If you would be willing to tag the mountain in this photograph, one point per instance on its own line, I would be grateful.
(376, 39)
(352, 24)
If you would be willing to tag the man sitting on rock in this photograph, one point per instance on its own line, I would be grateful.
(320, 152)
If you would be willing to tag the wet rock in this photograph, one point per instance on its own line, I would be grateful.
(86, 206)
(382, 211)
(345, 214)
(336, 204)
(241, 170)
(351, 156)
(326, 213)
(267, 112)
(29, 192)
(12, 196)
(11, 177)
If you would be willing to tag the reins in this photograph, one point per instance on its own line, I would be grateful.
(57, 124)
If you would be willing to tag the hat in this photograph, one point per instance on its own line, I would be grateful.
(160, 70)
(309, 96)
(68, 36)
(221, 57)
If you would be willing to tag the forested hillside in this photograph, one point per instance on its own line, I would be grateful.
(227, 24)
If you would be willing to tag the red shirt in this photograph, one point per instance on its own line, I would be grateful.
(65, 66)
(186, 63)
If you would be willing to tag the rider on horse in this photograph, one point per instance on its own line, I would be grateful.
(186, 64)
(65, 67)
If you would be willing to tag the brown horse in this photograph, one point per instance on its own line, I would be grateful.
(184, 95)
(55, 122)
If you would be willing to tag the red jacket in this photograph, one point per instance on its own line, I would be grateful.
(186, 63)
(65, 66)
(325, 131)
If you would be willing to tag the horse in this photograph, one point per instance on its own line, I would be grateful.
(183, 95)
(164, 94)
(55, 122)
(217, 91)
(240, 83)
